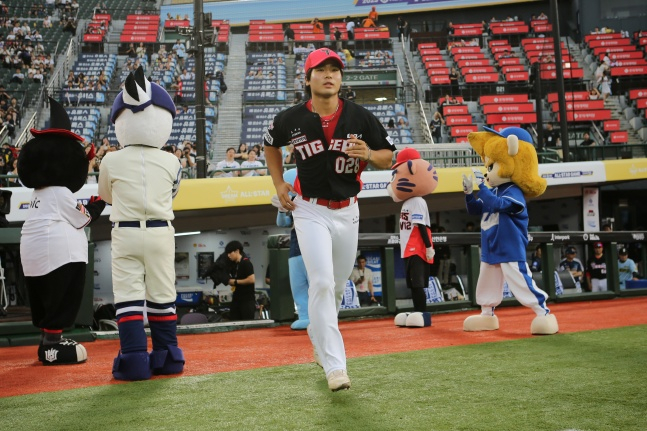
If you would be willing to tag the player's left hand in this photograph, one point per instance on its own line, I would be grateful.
(358, 149)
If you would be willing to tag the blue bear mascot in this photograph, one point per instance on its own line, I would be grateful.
(298, 276)
(140, 182)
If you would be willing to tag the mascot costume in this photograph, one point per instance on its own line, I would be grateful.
(413, 178)
(53, 244)
(140, 182)
(298, 276)
(512, 173)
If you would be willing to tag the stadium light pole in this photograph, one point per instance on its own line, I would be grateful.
(559, 72)
(200, 120)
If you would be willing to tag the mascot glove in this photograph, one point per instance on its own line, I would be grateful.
(277, 203)
(480, 178)
(468, 186)
(430, 253)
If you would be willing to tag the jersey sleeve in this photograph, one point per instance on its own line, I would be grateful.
(245, 268)
(512, 200)
(274, 135)
(73, 212)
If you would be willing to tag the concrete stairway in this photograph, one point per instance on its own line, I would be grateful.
(231, 103)
(413, 111)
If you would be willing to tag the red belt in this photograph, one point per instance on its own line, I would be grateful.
(333, 205)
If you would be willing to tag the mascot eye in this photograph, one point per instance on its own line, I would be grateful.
(489, 168)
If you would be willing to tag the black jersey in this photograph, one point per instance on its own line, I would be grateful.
(324, 170)
(597, 267)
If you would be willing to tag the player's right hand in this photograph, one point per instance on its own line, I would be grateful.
(468, 186)
(430, 253)
(283, 192)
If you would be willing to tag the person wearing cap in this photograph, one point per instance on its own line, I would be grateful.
(334, 141)
(627, 269)
(596, 269)
(574, 266)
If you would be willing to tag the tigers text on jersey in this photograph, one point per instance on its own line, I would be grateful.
(504, 223)
(325, 171)
(414, 211)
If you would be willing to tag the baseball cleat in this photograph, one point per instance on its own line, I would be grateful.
(338, 380)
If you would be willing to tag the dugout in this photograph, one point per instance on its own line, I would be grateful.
(16, 328)
(552, 243)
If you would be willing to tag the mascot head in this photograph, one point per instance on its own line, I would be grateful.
(412, 176)
(509, 156)
(55, 156)
(142, 113)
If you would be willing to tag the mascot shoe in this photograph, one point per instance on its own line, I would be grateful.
(418, 320)
(167, 361)
(299, 325)
(544, 325)
(131, 366)
(401, 319)
(481, 323)
(62, 353)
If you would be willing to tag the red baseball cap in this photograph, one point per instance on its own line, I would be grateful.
(405, 155)
(598, 244)
(318, 56)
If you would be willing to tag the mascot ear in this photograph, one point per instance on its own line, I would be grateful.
(477, 141)
(513, 145)
(131, 87)
(140, 78)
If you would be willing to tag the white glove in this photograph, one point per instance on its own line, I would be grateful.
(430, 252)
(468, 186)
(276, 202)
(480, 178)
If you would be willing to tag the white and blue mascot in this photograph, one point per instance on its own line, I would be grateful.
(140, 182)
(298, 275)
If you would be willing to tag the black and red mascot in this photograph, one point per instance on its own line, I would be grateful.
(53, 245)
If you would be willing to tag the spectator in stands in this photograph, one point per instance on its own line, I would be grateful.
(367, 23)
(373, 15)
(391, 123)
(350, 94)
(186, 75)
(260, 152)
(141, 51)
(131, 51)
(605, 85)
(587, 141)
(402, 123)
(259, 74)
(317, 27)
(594, 94)
(288, 155)
(453, 79)
(242, 153)
(400, 24)
(542, 15)
(252, 162)
(338, 43)
(180, 51)
(607, 59)
(70, 26)
(18, 77)
(436, 126)
(47, 22)
(551, 137)
(288, 33)
(350, 28)
(227, 163)
(450, 28)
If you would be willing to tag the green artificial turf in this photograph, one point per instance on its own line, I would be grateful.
(582, 381)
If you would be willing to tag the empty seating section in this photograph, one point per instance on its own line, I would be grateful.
(256, 118)
(265, 79)
(140, 28)
(508, 110)
(84, 121)
(457, 117)
(87, 73)
(385, 112)
(580, 107)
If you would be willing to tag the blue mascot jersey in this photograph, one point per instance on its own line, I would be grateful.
(504, 223)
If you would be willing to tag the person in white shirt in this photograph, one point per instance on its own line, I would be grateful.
(363, 279)
(228, 163)
(251, 162)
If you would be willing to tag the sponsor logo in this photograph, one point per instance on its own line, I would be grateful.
(554, 237)
(638, 236)
(393, 239)
(439, 238)
(229, 194)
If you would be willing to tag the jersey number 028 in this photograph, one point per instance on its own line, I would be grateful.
(346, 165)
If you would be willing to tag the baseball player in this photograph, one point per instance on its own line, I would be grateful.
(334, 140)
